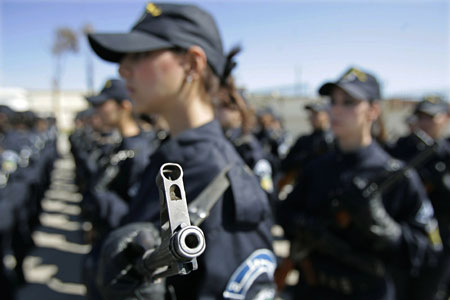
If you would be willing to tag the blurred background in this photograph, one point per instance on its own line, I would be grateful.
(290, 48)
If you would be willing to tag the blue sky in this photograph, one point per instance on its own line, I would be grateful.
(405, 43)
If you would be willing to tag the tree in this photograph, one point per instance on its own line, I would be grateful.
(88, 28)
(66, 41)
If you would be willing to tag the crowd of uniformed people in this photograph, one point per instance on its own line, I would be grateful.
(366, 217)
(27, 153)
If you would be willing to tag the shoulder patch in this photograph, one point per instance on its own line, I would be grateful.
(261, 261)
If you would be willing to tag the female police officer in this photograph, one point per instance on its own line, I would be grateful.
(354, 237)
(173, 64)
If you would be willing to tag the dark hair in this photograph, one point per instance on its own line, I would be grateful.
(225, 91)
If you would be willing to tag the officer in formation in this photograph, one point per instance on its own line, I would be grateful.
(237, 121)
(27, 152)
(427, 140)
(92, 142)
(174, 64)
(361, 225)
(117, 172)
(274, 139)
(309, 147)
(360, 222)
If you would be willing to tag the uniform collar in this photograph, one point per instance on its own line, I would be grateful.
(360, 155)
(204, 132)
(170, 149)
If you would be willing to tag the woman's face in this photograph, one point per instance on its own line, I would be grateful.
(349, 117)
(153, 79)
(319, 120)
(109, 112)
(432, 125)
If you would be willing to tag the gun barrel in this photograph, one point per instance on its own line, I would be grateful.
(181, 242)
(188, 243)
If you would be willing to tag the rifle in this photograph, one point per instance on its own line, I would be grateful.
(181, 242)
(342, 203)
(325, 241)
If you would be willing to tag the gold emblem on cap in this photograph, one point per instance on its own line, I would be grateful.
(356, 73)
(108, 84)
(431, 98)
(153, 9)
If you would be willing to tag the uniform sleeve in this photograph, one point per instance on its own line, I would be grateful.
(420, 234)
(294, 157)
(289, 210)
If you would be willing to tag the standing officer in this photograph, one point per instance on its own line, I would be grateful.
(235, 117)
(355, 236)
(118, 181)
(431, 116)
(309, 147)
(173, 64)
(273, 137)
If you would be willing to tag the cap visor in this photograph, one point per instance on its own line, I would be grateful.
(113, 46)
(351, 89)
(325, 89)
(431, 111)
(97, 100)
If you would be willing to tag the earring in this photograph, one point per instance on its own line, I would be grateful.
(188, 78)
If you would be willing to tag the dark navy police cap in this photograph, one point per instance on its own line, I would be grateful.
(165, 26)
(316, 107)
(113, 89)
(432, 105)
(356, 83)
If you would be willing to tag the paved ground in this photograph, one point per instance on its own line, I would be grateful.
(53, 268)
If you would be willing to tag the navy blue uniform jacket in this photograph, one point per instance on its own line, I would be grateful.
(239, 223)
(406, 203)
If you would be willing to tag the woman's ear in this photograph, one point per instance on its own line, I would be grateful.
(196, 62)
(126, 105)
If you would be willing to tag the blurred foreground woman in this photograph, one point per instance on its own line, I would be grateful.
(360, 226)
(173, 64)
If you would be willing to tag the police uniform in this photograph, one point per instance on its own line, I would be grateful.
(238, 225)
(25, 166)
(308, 147)
(119, 178)
(354, 237)
(275, 141)
(119, 168)
(433, 170)
(254, 156)
(237, 231)
(407, 204)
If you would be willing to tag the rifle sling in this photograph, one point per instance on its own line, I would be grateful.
(201, 206)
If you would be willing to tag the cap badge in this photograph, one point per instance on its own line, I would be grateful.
(354, 73)
(153, 9)
(108, 84)
(432, 99)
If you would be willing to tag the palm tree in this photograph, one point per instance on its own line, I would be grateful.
(88, 28)
(66, 41)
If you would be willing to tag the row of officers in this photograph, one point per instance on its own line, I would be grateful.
(27, 153)
(366, 219)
